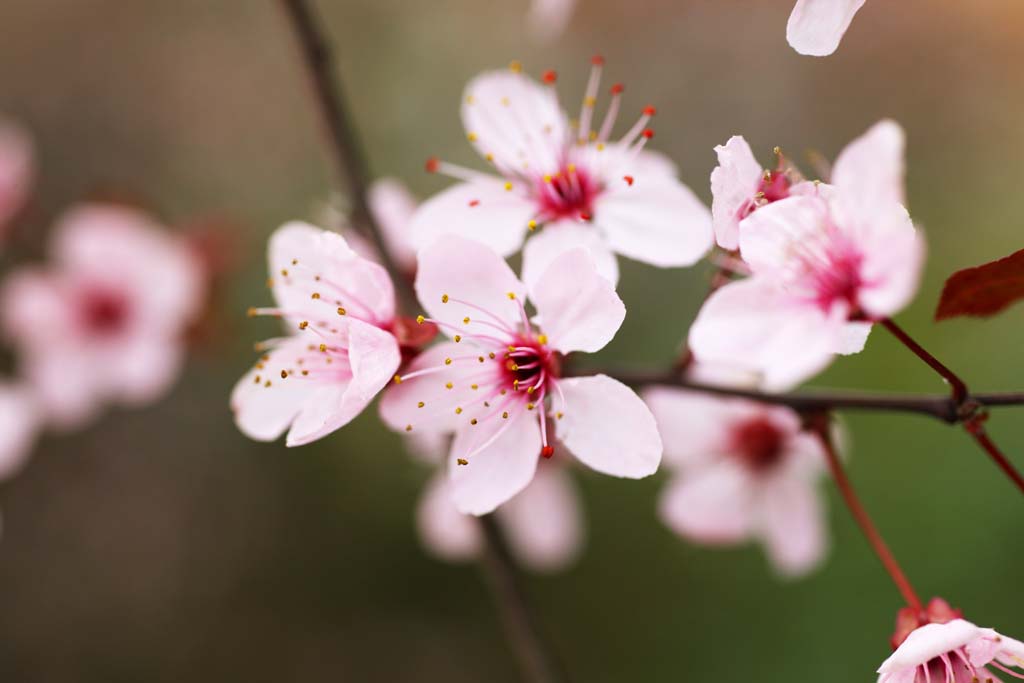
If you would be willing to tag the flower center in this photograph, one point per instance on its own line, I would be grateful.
(569, 193)
(104, 311)
(773, 186)
(838, 277)
(758, 443)
(530, 366)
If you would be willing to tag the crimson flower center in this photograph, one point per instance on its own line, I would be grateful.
(758, 443)
(569, 193)
(104, 311)
(529, 366)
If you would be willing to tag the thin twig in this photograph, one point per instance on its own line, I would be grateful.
(534, 653)
(957, 385)
(350, 163)
(820, 425)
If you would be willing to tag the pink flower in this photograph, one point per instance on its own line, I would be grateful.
(498, 381)
(548, 19)
(816, 26)
(341, 350)
(19, 422)
(16, 169)
(542, 522)
(739, 186)
(582, 188)
(823, 267)
(105, 322)
(741, 471)
(393, 208)
(953, 651)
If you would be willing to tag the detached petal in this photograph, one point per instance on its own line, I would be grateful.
(499, 471)
(515, 121)
(608, 428)
(467, 271)
(816, 26)
(656, 220)
(733, 185)
(558, 238)
(543, 522)
(444, 531)
(714, 505)
(754, 324)
(578, 308)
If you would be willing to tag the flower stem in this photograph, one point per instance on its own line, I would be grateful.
(535, 655)
(534, 652)
(820, 426)
(968, 407)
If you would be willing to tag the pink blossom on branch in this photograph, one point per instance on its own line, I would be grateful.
(575, 185)
(16, 169)
(340, 350)
(498, 384)
(816, 26)
(105, 321)
(824, 266)
(741, 471)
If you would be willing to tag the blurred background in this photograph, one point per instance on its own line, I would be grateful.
(161, 544)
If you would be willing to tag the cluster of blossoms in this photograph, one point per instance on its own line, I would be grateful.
(498, 405)
(103, 322)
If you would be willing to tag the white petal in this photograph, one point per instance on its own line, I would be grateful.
(555, 239)
(713, 505)
(733, 184)
(444, 531)
(930, 641)
(868, 173)
(853, 337)
(816, 26)
(772, 236)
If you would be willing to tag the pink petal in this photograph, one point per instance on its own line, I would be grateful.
(444, 531)
(299, 254)
(499, 471)
(578, 308)
(516, 121)
(928, 642)
(19, 422)
(393, 208)
(754, 324)
(557, 238)
(792, 524)
(868, 173)
(894, 254)
(543, 522)
(984, 649)
(608, 428)
(816, 26)
(548, 19)
(771, 236)
(656, 220)
(713, 505)
(468, 271)
(733, 184)
(483, 211)
(16, 169)
(853, 338)
(141, 370)
(1011, 651)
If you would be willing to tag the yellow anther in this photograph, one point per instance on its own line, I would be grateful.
(542, 339)
(593, 135)
(257, 380)
(571, 168)
(473, 421)
(589, 102)
(447, 361)
(776, 150)
(532, 225)
(471, 137)
(316, 295)
(284, 374)
(295, 261)
(474, 387)
(465, 321)
(408, 428)
(504, 415)
(508, 186)
(323, 348)
(305, 373)
(491, 355)
(420, 319)
(304, 324)
(515, 66)
(267, 384)
(559, 415)
(341, 311)
(444, 298)
(251, 312)
(470, 99)
(530, 406)
(270, 282)
(503, 392)
(458, 410)
(767, 176)
(480, 358)
(284, 272)
(547, 178)
(511, 295)
(398, 379)
(600, 147)
(530, 390)
(458, 338)
(489, 157)
(420, 404)
(504, 101)
(448, 385)
(462, 461)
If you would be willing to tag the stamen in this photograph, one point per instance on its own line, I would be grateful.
(590, 99)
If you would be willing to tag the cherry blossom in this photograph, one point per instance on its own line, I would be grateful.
(19, 422)
(573, 184)
(341, 347)
(548, 19)
(498, 382)
(816, 26)
(741, 471)
(16, 168)
(949, 649)
(824, 266)
(105, 321)
(393, 207)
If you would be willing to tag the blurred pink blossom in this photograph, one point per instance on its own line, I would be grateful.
(824, 266)
(340, 350)
(490, 384)
(393, 207)
(19, 423)
(574, 184)
(955, 651)
(548, 19)
(741, 471)
(104, 322)
(816, 26)
(16, 169)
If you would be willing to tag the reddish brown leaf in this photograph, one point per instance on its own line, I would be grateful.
(983, 290)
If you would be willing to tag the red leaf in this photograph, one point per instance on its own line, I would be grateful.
(983, 290)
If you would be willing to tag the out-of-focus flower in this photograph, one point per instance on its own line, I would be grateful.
(492, 384)
(816, 26)
(105, 321)
(393, 207)
(548, 19)
(741, 470)
(937, 645)
(581, 188)
(339, 309)
(16, 169)
(739, 186)
(824, 266)
(19, 422)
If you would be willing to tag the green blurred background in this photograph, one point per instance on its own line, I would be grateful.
(162, 545)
